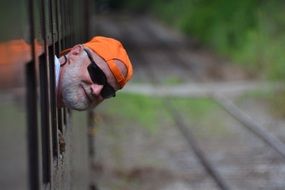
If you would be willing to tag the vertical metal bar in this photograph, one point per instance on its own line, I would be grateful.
(60, 23)
(54, 114)
(65, 10)
(31, 106)
(58, 27)
(64, 113)
(45, 119)
(45, 99)
(32, 126)
(63, 25)
(68, 14)
(87, 19)
(59, 119)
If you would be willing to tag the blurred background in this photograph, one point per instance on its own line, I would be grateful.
(206, 101)
(248, 32)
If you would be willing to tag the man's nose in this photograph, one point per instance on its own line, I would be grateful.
(96, 89)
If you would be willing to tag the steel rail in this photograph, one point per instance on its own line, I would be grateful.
(191, 140)
(254, 127)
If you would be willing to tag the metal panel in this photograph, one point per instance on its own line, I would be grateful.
(52, 153)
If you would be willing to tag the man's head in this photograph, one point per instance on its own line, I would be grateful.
(94, 71)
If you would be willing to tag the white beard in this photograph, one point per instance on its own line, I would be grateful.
(71, 87)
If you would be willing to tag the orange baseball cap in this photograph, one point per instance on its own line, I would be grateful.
(109, 50)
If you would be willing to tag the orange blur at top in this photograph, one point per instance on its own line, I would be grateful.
(14, 55)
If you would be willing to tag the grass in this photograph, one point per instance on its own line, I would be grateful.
(135, 109)
(150, 112)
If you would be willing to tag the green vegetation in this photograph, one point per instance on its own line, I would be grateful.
(136, 110)
(195, 109)
(250, 32)
(151, 113)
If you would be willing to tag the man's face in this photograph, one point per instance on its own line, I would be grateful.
(78, 90)
(75, 92)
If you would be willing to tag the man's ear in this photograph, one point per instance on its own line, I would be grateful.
(77, 49)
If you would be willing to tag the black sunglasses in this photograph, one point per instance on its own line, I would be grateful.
(99, 77)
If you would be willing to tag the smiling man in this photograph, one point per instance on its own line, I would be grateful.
(89, 73)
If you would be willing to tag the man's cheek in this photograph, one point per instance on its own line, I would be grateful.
(74, 98)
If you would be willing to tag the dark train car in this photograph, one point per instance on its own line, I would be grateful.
(41, 146)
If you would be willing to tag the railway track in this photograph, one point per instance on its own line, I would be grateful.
(149, 61)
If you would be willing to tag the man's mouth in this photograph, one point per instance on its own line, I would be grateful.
(86, 94)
